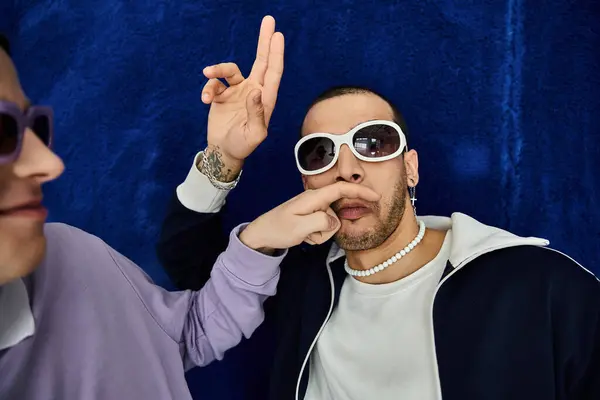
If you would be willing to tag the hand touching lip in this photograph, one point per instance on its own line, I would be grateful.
(308, 217)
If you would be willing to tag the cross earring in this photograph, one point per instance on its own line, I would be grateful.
(413, 197)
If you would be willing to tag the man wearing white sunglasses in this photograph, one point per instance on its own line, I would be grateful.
(397, 306)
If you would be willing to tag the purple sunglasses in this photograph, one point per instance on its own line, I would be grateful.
(12, 128)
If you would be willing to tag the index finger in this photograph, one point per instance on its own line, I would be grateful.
(267, 29)
(273, 74)
(321, 199)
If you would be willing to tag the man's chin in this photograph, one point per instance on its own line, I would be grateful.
(21, 259)
(354, 235)
(359, 226)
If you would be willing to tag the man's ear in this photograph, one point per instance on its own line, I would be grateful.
(411, 165)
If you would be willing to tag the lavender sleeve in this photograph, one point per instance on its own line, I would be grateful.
(206, 323)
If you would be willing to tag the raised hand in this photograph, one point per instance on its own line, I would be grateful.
(241, 110)
(307, 217)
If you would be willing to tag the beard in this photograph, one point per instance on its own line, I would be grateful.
(388, 216)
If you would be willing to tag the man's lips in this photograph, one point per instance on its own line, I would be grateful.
(32, 209)
(352, 211)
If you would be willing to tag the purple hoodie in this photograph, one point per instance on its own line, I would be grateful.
(103, 330)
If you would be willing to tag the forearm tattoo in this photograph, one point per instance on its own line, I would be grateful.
(215, 166)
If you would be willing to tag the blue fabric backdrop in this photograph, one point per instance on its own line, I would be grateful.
(502, 98)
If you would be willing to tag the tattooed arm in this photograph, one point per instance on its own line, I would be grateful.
(218, 166)
(192, 235)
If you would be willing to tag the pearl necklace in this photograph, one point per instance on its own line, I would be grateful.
(391, 260)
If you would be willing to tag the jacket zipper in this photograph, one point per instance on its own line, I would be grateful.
(314, 342)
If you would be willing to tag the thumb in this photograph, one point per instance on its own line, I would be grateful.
(319, 226)
(335, 221)
(256, 114)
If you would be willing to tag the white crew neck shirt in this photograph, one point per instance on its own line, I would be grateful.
(379, 343)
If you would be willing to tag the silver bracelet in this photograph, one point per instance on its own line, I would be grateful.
(214, 181)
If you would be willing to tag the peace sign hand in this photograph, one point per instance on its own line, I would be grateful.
(241, 110)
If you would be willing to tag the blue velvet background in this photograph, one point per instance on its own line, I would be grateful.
(502, 98)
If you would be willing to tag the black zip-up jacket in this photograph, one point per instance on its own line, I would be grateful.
(511, 319)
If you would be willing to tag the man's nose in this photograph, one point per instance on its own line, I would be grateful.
(37, 161)
(349, 168)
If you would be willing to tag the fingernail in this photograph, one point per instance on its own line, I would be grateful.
(205, 96)
(257, 98)
(334, 222)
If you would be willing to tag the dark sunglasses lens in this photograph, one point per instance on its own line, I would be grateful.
(316, 153)
(9, 134)
(376, 141)
(41, 127)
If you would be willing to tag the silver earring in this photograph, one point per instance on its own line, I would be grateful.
(413, 198)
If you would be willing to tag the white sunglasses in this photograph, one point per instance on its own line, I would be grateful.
(372, 141)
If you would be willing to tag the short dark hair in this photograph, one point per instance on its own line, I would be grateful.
(337, 91)
(4, 44)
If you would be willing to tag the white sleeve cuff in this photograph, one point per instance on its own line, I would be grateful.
(196, 193)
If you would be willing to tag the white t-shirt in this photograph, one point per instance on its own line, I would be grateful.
(379, 342)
